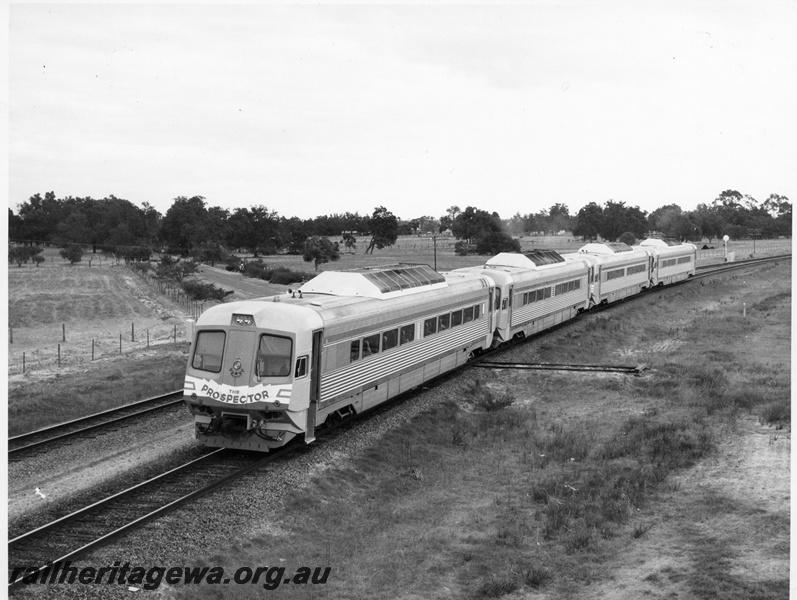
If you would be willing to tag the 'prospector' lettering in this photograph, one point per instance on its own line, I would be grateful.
(234, 398)
(240, 395)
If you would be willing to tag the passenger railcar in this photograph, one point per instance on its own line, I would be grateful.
(616, 271)
(264, 371)
(538, 290)
(672, 260)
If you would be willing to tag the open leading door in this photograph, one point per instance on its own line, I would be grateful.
(315, 386)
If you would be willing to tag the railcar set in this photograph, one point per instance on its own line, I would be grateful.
(264, 371)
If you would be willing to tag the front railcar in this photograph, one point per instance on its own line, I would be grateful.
(248, 382)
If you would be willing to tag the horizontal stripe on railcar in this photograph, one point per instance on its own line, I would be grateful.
(366, 371)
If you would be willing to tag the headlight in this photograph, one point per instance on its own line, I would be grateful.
(243, 320)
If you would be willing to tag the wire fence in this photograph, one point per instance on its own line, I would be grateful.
(70, 352)
(70, 348)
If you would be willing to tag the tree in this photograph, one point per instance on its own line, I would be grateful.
(22, 254)
(447, 221)
(497, 241)
(295, 232)
(627, 238)
(383, 225)
(516, 225)
(617, 218)
(349, 241)
(175, 270)
(474, 224)
(661, 219)
(560, 218)
(184, 225)
(709, 221)
(72, 252)
(589, 222)
(320, 250)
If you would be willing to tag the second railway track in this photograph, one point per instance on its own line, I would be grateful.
(38, 440)
(79, 532)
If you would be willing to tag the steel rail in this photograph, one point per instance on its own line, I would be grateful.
(728, 266)
(22, 542)
(562, 367)
(134, 506)
(82, 425)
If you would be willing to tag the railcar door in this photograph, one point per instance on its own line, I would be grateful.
(315, 386)
(509, 309)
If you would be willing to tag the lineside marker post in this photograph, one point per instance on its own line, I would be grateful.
(59, 356)
(63, 332)
(23, 363)
(120, 343)
(10, 335)
(132, 332)
(147, 338)
(92, 349)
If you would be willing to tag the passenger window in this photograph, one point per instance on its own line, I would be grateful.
(209, 350)
(456, 318)
(444, 321)
(370, 345)
(274, 356)
(354, 353)
(429, 326)
(477, 311)
(407, 334)
(389, 339)
(301, 367)
(503, 304)
(467, 315)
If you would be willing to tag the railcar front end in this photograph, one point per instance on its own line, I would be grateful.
(250, 375)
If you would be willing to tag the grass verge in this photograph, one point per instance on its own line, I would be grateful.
(520, 483)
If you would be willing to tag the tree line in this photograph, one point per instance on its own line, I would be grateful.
(209, 233)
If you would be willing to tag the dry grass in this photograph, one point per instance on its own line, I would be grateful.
(108, 383)
(484, 499)
(93, 303)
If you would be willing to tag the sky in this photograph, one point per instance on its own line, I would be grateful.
(312, 109)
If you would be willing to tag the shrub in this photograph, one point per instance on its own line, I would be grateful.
(257, 269)
(627, 238)
(497, 241)
(197, 290)
(463, 248)
(285, 276)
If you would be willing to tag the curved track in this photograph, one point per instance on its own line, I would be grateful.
(83, 530)
(41, 438)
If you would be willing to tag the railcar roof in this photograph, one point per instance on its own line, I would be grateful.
(662, 242)
(380, 282)
(605, 248)
(529, 260)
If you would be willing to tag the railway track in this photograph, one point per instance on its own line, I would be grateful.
(77, 533)
(561, 367)
(92, 424)
(731, 266)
